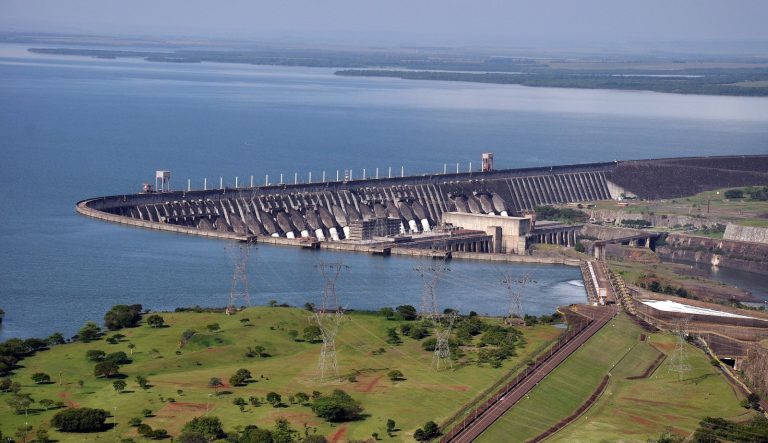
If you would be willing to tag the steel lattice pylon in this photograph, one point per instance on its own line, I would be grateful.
(328, 318)
(515, 287)
(442, 323)
(240, 255)
(443, 328)
(678, 360)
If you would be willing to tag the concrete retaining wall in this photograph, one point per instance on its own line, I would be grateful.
(746, 233)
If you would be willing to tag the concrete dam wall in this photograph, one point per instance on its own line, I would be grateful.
(326, 210)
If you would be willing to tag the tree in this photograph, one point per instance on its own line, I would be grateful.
(22, 432)
(408, 312)
(143, 382)
(252, 434)
(46, 403)
(283, 432)
(135, 421)
(57, 338)
(80, 420)
(215, 383)
(301, 398)
(315, 438)
(388, 313)
(122, 316)
(146, 412)
(391, 426)
(155, 321)
(395, 375)
(209, 426)
(312, 334)
(213, 327)
(337, 407)
(41, 436)
(428, 432)
(131, 347)
(734, 193)
(240, 402)
(106, 369)
(294, 334)
(191, 437)
(274, 399)
(90, 331)
(95, 355)
(41, 377)
(20, 402)
(119, 385)
(240, 377)
(118, 357)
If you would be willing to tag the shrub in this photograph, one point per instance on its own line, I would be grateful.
(395, 375)
(337, 407)
(734, 193)
(80, 420)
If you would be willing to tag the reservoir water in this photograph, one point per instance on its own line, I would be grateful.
(73, 127)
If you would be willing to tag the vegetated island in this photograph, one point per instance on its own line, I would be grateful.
(734, 78)
(738, 82)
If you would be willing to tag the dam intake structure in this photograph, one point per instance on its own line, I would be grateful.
(331, 210)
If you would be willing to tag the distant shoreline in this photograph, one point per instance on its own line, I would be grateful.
(744, 82)
(655, 83)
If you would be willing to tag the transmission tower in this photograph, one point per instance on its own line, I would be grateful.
(430, 274)
(328, 317)
(679, 361)
(443, 327)
(515, 286)
(239, 253)
(442, 323)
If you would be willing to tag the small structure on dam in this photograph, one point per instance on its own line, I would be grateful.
(419, 207)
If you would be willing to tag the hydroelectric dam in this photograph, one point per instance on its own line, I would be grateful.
(374, 214)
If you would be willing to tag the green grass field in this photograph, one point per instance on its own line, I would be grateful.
(183, 375)
(705, 204)
(628, 410)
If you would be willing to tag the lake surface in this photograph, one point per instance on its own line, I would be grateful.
(73, 127)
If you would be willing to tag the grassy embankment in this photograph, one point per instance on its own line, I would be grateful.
(710, 204)
(628, 410)
(184, 375)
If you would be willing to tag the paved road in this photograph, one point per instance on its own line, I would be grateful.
(601, 315)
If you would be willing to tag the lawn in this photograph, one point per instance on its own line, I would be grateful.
(628, 410)
(179, 377)
(705, 204)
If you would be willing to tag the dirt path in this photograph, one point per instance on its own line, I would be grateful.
(339, 434)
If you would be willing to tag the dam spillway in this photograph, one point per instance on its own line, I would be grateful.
(326, 210)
